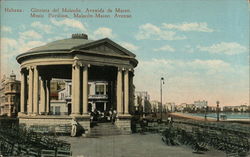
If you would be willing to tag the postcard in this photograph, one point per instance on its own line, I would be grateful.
(124, 78)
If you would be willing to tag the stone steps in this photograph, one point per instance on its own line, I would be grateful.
(104, 129)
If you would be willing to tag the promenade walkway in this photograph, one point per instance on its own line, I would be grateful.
(134, 145)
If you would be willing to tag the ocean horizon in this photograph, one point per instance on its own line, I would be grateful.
(229, 115)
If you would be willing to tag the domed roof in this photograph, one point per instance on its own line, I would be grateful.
(78, 44)
(65, 44)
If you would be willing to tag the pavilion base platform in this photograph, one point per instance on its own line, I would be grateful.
(49, 124)
(123, 122)
(61, 125)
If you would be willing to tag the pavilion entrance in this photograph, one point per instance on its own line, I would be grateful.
(101, 106)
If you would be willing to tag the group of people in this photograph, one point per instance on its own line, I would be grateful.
(106, 116)
(95, 116)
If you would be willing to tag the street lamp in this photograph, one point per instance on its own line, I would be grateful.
(206, 108)
(218, 118)
(161, 82)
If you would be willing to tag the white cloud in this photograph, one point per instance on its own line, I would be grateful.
(11, 47)
(210, 67)
(165, 48)
(199, 27)
(229, 48)
(23, 47)
(197, 66)
(150, 31)
(6, 29)
(129, 46)
(43, 27)
(70, 23)
(30, 35)
(103, 32)
(8, 45)
(215, 63)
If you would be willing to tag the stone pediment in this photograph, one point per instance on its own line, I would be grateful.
(107, 49)
(106, 46)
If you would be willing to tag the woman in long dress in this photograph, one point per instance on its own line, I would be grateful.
(74, 127)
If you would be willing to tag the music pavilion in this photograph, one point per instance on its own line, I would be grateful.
(83, 61)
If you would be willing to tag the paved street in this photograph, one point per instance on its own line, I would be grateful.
(134, 145)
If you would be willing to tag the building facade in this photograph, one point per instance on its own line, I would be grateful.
(156, 106)
(240, 108)
(2, 95)
(142, 102)
(170, 106)
(98, 97)
(80, 60)
(10, 96)
(200, 104)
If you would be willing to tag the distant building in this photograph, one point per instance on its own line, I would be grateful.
(180, 107)
(240, 108)
(212, 108)
(200, 104)
(97, 97)
(65, 92)
(142, 99)
(184, 107)
(55, 86)
(2, 95)
(10, 95)
(156, 106)
(170, 106)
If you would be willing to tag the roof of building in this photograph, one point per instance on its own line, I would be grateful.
(64, 44)
(78, 42)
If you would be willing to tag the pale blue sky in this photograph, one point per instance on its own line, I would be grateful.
(201, 47)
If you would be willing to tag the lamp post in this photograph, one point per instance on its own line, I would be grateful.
(206, 108)
(161, 82)
(218, 118)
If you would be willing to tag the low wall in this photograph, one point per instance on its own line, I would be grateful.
(51, 124)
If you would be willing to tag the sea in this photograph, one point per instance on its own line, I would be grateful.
(229, 115)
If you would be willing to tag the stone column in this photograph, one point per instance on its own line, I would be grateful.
(105, 90)
(85, 89)
(23, 94)
(43, 96)
(48, 96)
(119, 91)
(105, 106)
(83, 120)
(72, 91)
(30, 96)
(36, 91)
(93, 106)
(131, 93)
(77, 88)
(126, 91)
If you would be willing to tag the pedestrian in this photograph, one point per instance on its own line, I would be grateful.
(74, 127)
(109, 117)
(114, 116)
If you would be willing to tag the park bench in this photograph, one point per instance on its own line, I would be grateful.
(32, 152)
(48, 153)
(63, 153)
